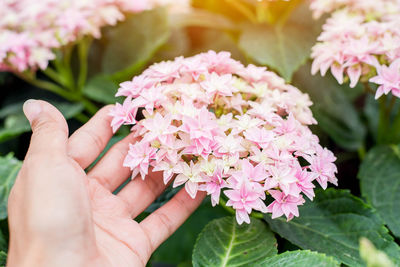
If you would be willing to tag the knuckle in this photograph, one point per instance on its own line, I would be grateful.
(165, 222)
(96, 139)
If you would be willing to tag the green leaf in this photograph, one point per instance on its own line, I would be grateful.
(102, 89)
(184, 238)
(300, 258)
(9, 168)
(332, 109)
(284, 49)
(225, 243)
(372, 256)
(3, 239)
(333, 224)
(15, 122)
(380, 183)
(132, 43)
(3, 258)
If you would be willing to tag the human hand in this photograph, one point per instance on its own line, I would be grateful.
(61, 216)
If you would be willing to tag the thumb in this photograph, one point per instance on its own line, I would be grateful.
(49, 128)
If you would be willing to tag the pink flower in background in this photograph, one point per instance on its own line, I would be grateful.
(214, 125)
(389, 79)
(31, 31)
(357, 39)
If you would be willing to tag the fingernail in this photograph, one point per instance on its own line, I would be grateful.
(31, 109)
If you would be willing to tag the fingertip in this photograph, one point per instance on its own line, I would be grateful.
(31, 109)
(50, 129)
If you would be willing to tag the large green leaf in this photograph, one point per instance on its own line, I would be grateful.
(380, 183)
(333, 224)
(131, 44)
(181, 243)
(101, 89)
(283, 49)
(9, 167)
(15, 122)
(225, 243)
(300, 258)
(333, 110)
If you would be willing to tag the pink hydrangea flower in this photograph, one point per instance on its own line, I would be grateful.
(214, 125)
(31, 31)
(357, 39)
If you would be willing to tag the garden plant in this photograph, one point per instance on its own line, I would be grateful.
(285, 112)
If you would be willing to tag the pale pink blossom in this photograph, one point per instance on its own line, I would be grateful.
(139, 158)
(190, 176)
(284, 205)
(244, 199)
(283, 177)
(123, 114)
(213, 185)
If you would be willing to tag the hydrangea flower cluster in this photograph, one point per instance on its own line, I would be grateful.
(212, 124)
(30, 30)
(361, 39)
(320, 7)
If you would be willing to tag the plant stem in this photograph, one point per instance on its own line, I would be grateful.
(256, 215)
(55, 76)
(383, 119)
(361, 152)
(83, 49)
(49, 86)
(228, 209)
(395, 128)
(54, 88)
(368, 88)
